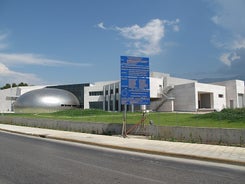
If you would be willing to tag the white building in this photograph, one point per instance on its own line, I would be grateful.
(9, 96)
(235, 93)
(167, 94)
(171, 94)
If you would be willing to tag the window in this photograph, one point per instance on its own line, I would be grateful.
(95, 93)
(96, 105)
(111, 91)
(221, 95)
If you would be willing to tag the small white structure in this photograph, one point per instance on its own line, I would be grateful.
(198, 96)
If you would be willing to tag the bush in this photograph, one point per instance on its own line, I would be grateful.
(231, 115)
(80, 112)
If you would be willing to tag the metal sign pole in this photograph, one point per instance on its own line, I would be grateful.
(124, 131)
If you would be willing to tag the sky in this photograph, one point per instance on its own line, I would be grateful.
(76, 41)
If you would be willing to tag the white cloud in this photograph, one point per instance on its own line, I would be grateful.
(228, 58)
(225, 59)
(101, 25)
(238, 43)
(146, 39)
(9, 76)
(9, 59)
(229, 16)
(4, 70)
(34, 59)
(174, 24)
(3, 37)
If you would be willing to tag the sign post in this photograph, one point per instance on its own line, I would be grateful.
(124, 128)
(135, 83)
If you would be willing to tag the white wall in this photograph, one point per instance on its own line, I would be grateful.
(218, 102)
(185, 98)
(177, 81)
(98, 86)
(233, 88)
(156, 87)
(5, 105)
(88, 98)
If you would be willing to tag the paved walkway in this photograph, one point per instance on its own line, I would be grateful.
(215, 153)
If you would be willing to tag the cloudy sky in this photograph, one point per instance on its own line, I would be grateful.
(76, 41)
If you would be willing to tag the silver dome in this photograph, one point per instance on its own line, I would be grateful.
(45, 100)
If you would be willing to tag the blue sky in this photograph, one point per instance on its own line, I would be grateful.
(76, 41)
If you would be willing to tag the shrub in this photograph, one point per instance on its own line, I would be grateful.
(231, 115)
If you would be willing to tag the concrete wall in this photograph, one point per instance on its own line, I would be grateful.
(185, 98)
(202, 135)
(85, 127)
(156, 87)
(5, 104)
(187, 134)
(233, 88)
(171, 81)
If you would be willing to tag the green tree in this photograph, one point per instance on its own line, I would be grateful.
(7, 86)
(14, 85)
(22, 84)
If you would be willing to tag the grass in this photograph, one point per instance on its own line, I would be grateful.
(227, 118)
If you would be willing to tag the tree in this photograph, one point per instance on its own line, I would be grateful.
(14, 85)
(7, 86)
(22, 84)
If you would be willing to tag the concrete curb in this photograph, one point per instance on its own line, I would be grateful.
(163, 153)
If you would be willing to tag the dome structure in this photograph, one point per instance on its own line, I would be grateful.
(45, 100)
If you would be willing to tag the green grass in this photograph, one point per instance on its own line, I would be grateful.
(227, 118)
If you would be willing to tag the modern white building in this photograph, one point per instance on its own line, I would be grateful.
(166, 94)
(170, 94)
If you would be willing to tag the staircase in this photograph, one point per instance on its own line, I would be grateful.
(165, 97)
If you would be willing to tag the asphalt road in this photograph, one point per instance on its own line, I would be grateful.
(25, 160)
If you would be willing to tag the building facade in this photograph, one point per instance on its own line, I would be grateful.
(167, 94)
(170, 94)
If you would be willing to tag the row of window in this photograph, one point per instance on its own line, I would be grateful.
(95, 93)
(99, 93)
(111, 91)
(68, 105)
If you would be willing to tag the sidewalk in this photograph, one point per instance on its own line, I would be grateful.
(215, 153)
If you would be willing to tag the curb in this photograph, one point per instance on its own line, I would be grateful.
(170, 154)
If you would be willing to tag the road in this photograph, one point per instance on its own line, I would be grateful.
(25, 160)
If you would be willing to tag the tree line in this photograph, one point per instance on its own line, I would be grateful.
(14, 85)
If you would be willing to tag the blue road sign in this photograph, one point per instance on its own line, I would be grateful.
(135, 83)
